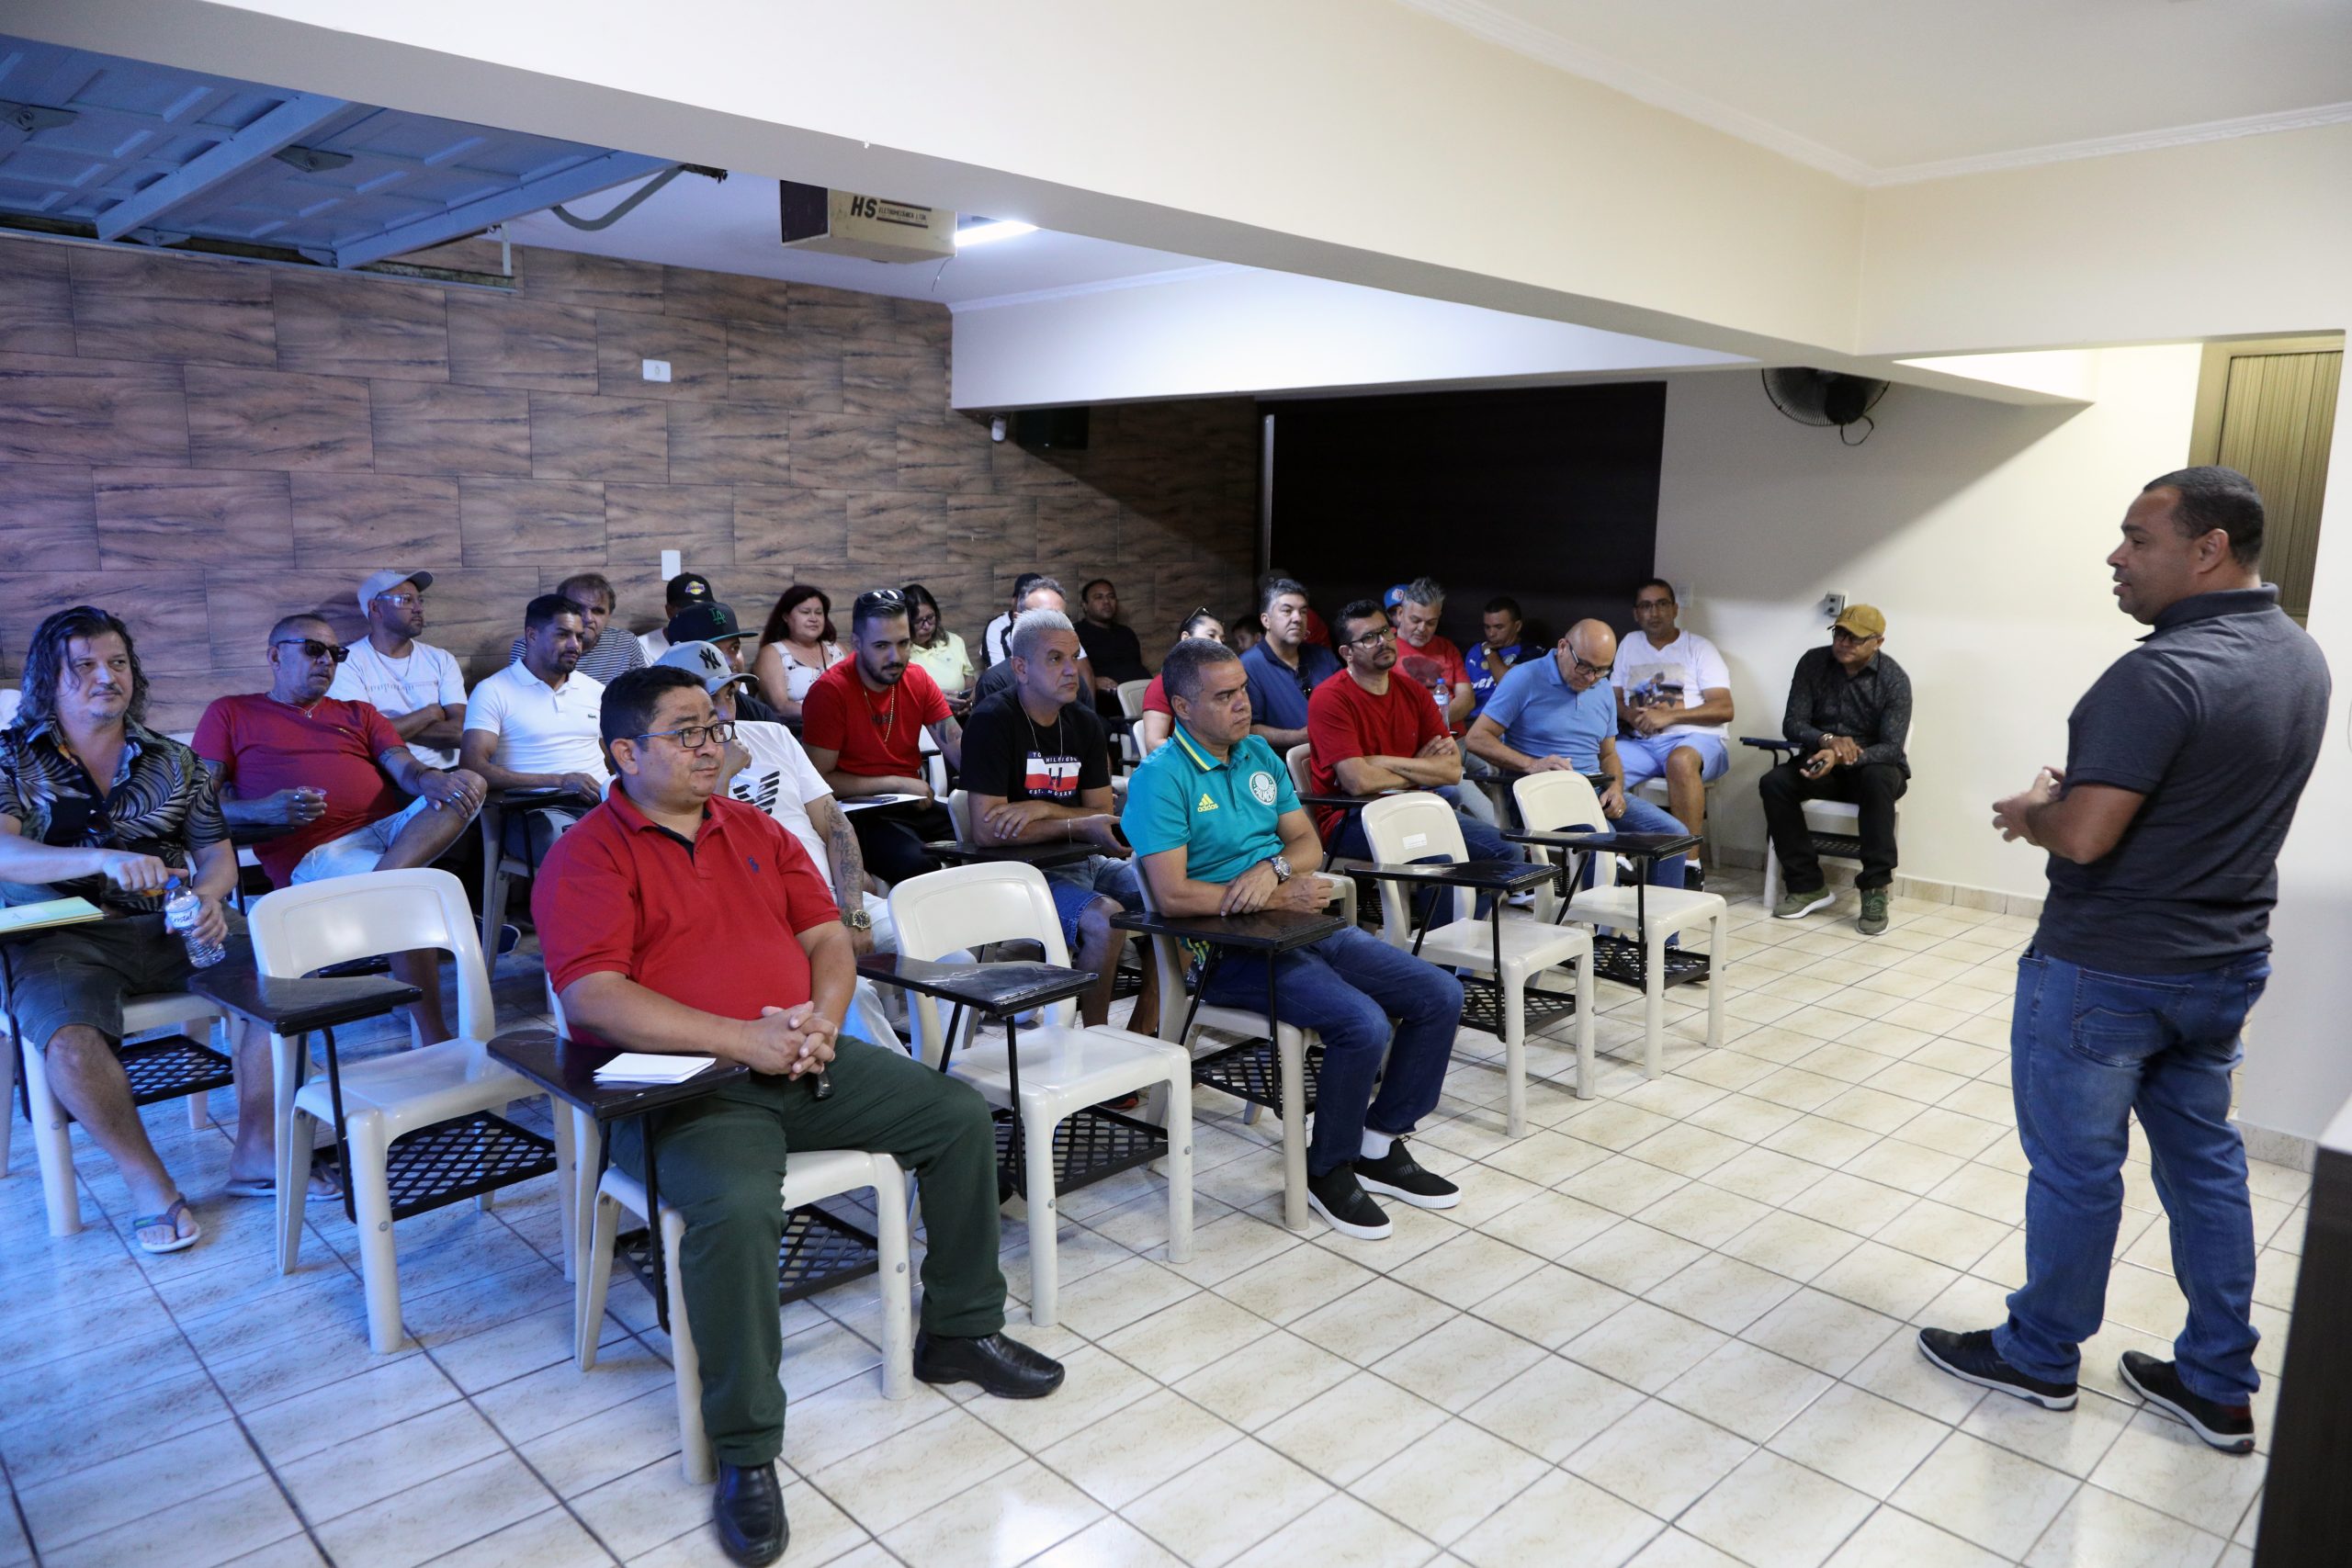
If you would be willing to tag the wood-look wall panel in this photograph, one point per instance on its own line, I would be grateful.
(187, 518)
(176, 698)
(533, 344)
(421, 427)
(366, 522)
(844, 451)
(164, 611)
(941, 456)
(476, 613)
(272, 419)
(130, 304)
(245, 603)
(574, 277)
(531, 523)
(56, 410)
(598, 438)
(902, 380)
(799, 370)
(49, 517)
(779, 526)
(1075, 527)
(362, 326)
(35, 300)
(642, 520)
(730, 444)
(726, 296)
(813, 308)
(695, 350)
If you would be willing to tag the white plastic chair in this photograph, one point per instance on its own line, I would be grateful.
(1404, 828)
(1551, 802)
(1131, 694)
(1823, 818)
(1299, 760)
(51, 1127)
(300, 929)
(1063, 1069)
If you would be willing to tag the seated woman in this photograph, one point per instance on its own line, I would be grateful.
(798, 645)
(940, 652)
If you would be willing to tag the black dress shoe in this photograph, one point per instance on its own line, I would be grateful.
(748, 1507)
(1002, 1366)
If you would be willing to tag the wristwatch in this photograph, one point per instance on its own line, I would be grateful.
(857, 920)
(1282, 867)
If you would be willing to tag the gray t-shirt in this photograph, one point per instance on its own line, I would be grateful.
(2216, 717)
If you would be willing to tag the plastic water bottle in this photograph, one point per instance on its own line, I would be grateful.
(182, 909)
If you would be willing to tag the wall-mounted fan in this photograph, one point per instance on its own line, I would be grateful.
(1829, 398)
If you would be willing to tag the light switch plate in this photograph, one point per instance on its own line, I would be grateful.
(657, 370)
(673, 563)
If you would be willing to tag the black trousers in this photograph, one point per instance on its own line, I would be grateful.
(1874, 786)
(892, 838)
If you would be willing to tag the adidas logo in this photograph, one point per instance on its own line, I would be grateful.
(1207, 804)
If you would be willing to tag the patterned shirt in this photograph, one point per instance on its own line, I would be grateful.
(161, 804)
(1873, 707)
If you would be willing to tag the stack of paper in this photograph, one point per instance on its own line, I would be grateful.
(645, 1066)
(48, 913)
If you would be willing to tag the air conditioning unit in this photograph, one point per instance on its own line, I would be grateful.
(844, 223)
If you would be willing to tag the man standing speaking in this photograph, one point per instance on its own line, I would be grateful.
(2183, 766)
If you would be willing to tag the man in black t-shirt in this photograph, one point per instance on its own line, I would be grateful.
(1036, 767)
(1113, 649)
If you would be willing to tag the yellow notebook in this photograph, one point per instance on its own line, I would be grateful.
(48, 912)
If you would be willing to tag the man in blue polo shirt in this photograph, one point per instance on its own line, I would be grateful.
(1217, 830)
(1282, 668)
(1561, 713)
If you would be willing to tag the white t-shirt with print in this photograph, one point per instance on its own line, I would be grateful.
(1678, 675)
(782, 782)
(540, 728)
(401, 685)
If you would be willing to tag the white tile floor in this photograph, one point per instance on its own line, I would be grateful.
(1672, 1326)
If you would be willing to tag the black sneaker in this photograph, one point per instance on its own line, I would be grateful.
(1694, 877)
(1970, 1357)
(1397, 1174)
(1340, 1198)
(2229, 1428)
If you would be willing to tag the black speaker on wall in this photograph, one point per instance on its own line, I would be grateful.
(1052, 430)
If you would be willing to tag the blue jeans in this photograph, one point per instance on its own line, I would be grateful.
(2085, 1048)
(1346, 988)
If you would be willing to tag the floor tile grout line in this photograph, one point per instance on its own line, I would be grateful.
(24, 1524)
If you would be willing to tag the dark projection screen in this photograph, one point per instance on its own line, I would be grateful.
(1548, 494)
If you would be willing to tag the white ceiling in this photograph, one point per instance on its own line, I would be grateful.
(1879, 91)
(732, 226)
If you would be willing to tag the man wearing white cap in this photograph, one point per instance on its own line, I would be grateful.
(415, 684)
(766, 767)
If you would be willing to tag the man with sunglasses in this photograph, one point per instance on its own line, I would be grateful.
(1848, 714)
(1561, 713)
(339, 779)
(676, 919)
(602, 658)
(415, 684)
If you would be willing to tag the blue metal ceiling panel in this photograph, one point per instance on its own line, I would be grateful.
(156, 153)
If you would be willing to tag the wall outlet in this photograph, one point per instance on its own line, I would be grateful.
(673, 563)
(657, 370)
(1834, 605)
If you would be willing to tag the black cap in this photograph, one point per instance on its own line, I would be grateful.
(687, 587)
(709, 620)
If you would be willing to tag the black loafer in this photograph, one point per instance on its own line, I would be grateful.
(748, 1507)
(1005, 1368)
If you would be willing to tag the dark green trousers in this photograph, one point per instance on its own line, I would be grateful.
(721, 1161)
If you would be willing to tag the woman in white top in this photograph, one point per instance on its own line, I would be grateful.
(795, 647)
(940, 652)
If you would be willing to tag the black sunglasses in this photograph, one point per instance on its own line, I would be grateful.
(313, 649)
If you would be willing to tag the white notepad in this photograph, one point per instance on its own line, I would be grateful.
(647, 1067)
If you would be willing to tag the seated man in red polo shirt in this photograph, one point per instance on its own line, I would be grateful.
(339, 776)
(1370, 728)
(862, 724)
(677, 920)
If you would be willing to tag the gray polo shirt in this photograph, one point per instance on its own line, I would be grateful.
(2216, 717)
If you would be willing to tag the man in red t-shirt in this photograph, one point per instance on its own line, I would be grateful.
(677, 920)
(1369, 731)
(338, 777)
(862, 724)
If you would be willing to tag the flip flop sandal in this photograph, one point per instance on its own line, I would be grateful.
(169, 1219)
(267, 1186)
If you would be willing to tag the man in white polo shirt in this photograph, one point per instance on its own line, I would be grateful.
(415, 684)
(534, 724)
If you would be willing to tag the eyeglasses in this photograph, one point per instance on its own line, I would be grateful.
(313, 649)
(1595, 670)
(402, 600)
(692, 737)
(1384, 634)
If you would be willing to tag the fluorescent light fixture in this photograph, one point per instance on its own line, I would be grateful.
(988, 231)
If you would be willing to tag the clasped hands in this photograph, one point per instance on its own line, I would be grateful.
(2012, 815)
(790, 1042)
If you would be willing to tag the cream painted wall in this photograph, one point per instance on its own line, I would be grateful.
(1979, 529)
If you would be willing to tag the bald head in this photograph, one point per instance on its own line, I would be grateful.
(1587, 654)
